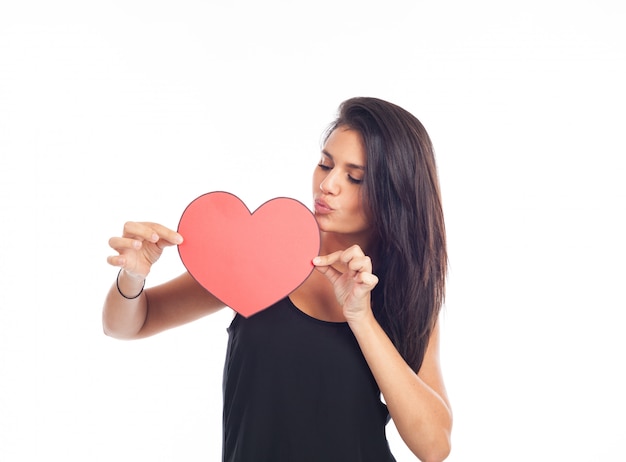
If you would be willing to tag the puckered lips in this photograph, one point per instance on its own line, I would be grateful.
(322, 207)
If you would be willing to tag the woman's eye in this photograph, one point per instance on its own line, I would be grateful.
(325, 167)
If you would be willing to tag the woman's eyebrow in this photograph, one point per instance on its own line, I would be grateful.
(353, 166)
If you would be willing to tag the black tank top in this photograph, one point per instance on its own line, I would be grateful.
(297, 389)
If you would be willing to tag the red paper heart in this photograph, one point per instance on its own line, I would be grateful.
(248, 260)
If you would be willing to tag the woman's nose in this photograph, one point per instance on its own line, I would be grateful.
(330, 185)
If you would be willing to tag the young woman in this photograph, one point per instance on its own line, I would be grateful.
(303, 379)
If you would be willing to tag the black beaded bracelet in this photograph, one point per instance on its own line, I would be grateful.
(117, 283)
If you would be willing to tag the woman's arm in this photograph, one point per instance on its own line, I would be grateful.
(159, 308)
(417, 403)
(129, 312)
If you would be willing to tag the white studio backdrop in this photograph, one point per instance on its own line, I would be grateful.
(115, 111)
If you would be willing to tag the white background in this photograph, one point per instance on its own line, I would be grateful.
(128, 110)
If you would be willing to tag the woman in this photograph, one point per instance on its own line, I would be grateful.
(303, 379)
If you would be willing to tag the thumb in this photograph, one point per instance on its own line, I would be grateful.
(324, 266)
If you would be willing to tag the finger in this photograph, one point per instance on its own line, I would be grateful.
(140, 231)
(121, 244)
(364, 284)
(327, 260)
(121, 261)
(368, 279)
(169, 236)
(355, 260)
(352, 252)
(360, 264)
(330, 272)
(116, 260)
(152, 232)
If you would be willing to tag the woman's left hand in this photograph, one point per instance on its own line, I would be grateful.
(350, 272)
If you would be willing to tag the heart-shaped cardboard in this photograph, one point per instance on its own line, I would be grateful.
(247, 260)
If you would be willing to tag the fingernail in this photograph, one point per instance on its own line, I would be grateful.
(317, 260)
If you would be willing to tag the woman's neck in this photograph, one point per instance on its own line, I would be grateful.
(333, 242)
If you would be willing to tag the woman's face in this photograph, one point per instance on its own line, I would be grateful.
(337, 188)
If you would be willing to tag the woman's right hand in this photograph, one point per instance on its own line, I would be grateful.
(140, 246)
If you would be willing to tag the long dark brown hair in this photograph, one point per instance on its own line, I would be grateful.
(403, 200)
